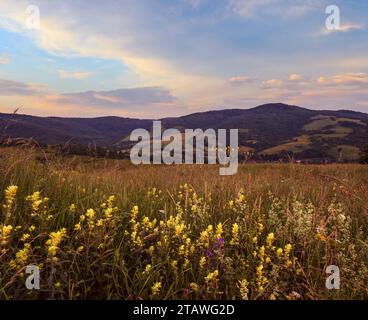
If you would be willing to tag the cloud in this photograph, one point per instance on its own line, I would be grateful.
(344, 28)
(272, 83)
(77, 75)
(351, 78)
(14, 88)
(120, 98)
(295, 78)
(247, 8)
(296, 8)
(4, 59)
(241, 80)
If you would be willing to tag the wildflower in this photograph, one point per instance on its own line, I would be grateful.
(36, 201)
(52, 250)
(273, 296)
(31, 228)
(82, 218)
(25, 237)
(270, 239)
(289, 263)
(261, 253)
(179, 229)
(219, 242)
(279, 252)
(111, 200)
(288, 248)
(174, 264)
(181, 250)
(22, 255)
(260, 227)
(100, 223)
(156, 288)
(10, 195)
(72, 208)
(80, 249)
(202, 262)
(320, 236)
(268, 260)
(212, 276)
(5, 234)
(57, 285)
(148, 268)
(235, 234)
(151, 250)
(134, 213)
(90, 214)
(186, 263)
(243, 288)
(259, 269)
(108, 213)
(219, 231)
(78, 227)
(209, 254)
(194, 286)
(241, 196)
(55, 240)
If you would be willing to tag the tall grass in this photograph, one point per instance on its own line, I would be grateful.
(174, 232)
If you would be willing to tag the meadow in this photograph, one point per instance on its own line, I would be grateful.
(106, 229)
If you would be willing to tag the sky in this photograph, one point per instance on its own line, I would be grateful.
(158, 58)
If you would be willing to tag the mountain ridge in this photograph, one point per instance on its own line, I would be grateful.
(268, 130)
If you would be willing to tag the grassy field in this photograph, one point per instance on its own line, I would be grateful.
(104, 229)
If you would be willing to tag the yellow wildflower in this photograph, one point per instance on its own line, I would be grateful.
(279, 252)
(235, 234)
(22, 255)
(156, 289)
(194, 286)
(5, 232)
(288, 248)
(202, 262)
(212, 276)
(243, 288)
(270, 239)
(219, 231)
(25, 237)
(148, 268)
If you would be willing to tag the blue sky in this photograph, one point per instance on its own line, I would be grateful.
(154, 58)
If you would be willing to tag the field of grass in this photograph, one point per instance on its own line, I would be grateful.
(105, 229)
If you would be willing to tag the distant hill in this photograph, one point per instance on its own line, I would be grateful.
(267, 131)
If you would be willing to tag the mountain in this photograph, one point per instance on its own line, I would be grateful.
(269, 130)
